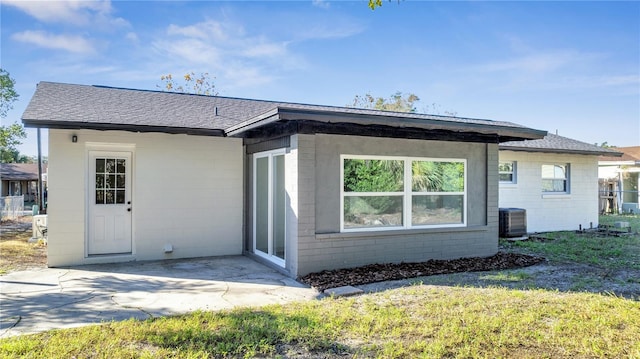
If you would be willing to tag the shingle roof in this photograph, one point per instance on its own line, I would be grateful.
(629, 154)
(557, 144)
(58, 105)
(20, 171)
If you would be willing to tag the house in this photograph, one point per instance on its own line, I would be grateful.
(20, 179)
(148, 175)
(555, 179)
(620, 179)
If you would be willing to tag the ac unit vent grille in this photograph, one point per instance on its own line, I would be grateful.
(513, 222)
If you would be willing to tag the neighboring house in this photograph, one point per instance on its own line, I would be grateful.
(620, 176)
(147, 175)
(555, 179)
(20, 179)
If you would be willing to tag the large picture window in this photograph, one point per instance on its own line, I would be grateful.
(402, 192)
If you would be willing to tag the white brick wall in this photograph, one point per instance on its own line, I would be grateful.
(187, 191)
(552, 212)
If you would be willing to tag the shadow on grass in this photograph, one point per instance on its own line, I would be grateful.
(245, 332)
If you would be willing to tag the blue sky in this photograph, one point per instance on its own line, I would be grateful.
(573, 66)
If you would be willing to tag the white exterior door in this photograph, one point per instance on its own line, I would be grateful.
(109, 230)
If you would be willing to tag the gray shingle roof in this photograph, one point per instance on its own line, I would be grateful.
(57, 105)
(20, 171)
(558, 144)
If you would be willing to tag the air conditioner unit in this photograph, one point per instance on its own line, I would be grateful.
(39, 228)
(512, 222)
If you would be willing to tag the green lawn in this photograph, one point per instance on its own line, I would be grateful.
(416, 321)
(605, 252)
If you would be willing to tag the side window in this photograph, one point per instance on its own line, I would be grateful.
(555, 178)
(507, 172)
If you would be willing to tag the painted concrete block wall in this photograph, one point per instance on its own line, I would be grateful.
(322, 246)
(187, 191)
(291, 162)
(552, 212)
(66, 200)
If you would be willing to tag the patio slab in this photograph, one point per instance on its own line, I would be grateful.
(52, 298)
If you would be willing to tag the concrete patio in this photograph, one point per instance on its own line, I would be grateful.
(53, 298)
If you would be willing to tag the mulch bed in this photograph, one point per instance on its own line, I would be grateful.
(382, 272)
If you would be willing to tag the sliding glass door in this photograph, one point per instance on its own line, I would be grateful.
(269, 206)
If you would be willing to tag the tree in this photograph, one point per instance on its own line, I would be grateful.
(10, 138)
(397, 102)
(605, 144)
(201, 85)
(8, 94)
(373, 4)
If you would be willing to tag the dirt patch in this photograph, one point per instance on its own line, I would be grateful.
(16, 253)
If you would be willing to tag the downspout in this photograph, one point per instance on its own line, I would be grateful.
(40, 184)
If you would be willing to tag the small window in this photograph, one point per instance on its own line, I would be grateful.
(15, 189)
(507, 172)
(555, 178)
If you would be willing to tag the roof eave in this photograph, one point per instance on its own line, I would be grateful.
(287, 114)
(67, 125)
(556, 150)
(254, 122)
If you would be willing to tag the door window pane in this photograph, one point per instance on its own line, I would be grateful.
(120, 196)
(279, 207)
(109, 197)
(99, 165)
(262, 204)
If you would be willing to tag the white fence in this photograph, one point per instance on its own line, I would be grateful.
(11, 207)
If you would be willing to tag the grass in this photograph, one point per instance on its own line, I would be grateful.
(417, 321)
(606, 252)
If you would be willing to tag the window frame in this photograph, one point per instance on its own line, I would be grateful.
(15, 188)
(566, 178)
(513, 172)
(407, 193)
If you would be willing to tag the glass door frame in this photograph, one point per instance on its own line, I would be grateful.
(271, 254)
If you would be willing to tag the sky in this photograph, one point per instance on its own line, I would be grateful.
(566, 67)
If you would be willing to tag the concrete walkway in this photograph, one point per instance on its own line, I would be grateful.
(39, 300)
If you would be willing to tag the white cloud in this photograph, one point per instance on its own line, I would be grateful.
(76, 12)
(131, 36)
(323, 4)
(537, 62)
(207, 30)
(226, 50)
(71, 43)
